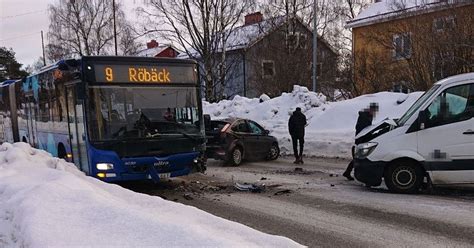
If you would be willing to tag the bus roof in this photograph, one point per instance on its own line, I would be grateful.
(138, 59)
(76, 62)
(64, 62)
(8, 82)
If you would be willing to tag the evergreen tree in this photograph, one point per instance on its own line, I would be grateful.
(9, 67)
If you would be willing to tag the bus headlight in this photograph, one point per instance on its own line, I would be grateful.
(104, 166)
(365, 149)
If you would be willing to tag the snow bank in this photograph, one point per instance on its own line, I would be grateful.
(331, 128)
(47, 202)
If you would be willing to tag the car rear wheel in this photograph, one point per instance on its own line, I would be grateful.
(236, 156)
(274, 152)
(404, 177)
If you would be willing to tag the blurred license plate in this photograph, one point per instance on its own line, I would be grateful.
(161, 175)
(164, 175)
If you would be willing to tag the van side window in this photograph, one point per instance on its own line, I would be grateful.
(452, 105)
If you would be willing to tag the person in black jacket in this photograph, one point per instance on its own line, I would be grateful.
(296, 126)
(365, 119)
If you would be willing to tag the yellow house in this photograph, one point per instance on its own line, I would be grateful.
(407, 45)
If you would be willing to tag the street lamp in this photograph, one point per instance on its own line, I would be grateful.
(315, 45)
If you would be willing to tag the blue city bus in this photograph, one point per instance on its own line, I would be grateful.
(115, 118)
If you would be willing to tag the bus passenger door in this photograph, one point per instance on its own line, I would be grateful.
(76, 129)
(31, 121)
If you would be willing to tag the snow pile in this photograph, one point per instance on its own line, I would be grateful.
(47, 202)
(331, 125)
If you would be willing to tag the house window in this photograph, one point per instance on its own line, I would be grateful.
(402, 46)
(292, 40)
(303, 41)
(296, 40)
(401, 86)
(268, 68)
(443, 23)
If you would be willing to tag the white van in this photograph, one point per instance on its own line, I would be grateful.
(432, 142)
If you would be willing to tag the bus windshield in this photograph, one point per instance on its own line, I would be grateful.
(118, 113)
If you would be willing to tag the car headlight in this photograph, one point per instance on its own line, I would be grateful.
(365, 149)
(104, 166)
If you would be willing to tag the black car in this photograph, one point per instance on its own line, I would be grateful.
(235, 140)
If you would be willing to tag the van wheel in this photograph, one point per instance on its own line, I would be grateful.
(274, 152)
(404, 176)
(236, 156)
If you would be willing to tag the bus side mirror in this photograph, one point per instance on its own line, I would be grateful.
(422, 119)
(207, 122)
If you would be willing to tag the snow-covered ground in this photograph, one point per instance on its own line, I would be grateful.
(331, 128)
(47, 202)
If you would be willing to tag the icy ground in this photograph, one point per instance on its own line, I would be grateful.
(47, 202)
(331, 128)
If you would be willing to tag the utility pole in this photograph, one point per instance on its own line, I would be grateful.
(115, 27)
(42, 46)
(315, 45)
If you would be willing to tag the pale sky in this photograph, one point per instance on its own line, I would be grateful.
(21, 22)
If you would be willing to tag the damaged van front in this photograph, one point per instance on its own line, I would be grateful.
(432, 142)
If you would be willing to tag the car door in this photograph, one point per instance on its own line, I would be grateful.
(261, 141)
(241, 132)
(447, 141)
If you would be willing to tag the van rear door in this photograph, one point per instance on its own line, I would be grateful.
(447, 141)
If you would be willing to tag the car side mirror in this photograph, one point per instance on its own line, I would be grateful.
(266, 132)
(422, 119)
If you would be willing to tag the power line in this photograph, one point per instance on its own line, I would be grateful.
(23, 14)
(20, 36)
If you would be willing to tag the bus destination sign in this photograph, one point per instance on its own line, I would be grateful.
(155, 74)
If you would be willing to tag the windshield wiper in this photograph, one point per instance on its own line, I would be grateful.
(187, 135)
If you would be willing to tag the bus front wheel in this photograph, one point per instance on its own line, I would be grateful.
(404, 176)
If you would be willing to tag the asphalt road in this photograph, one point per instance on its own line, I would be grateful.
(317, 207)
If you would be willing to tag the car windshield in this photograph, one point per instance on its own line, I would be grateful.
(117, 113)
(414, 108)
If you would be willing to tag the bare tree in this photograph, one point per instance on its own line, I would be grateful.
(341, 39)
(331, 18)
(202, 29)
(86, 28)
(303, 9)
(35, 66)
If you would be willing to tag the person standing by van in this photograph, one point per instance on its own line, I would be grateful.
(296, 126)
(364, 120)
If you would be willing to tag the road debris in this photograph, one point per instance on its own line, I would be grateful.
(188, 197)
(285, 191)
(249, 187)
